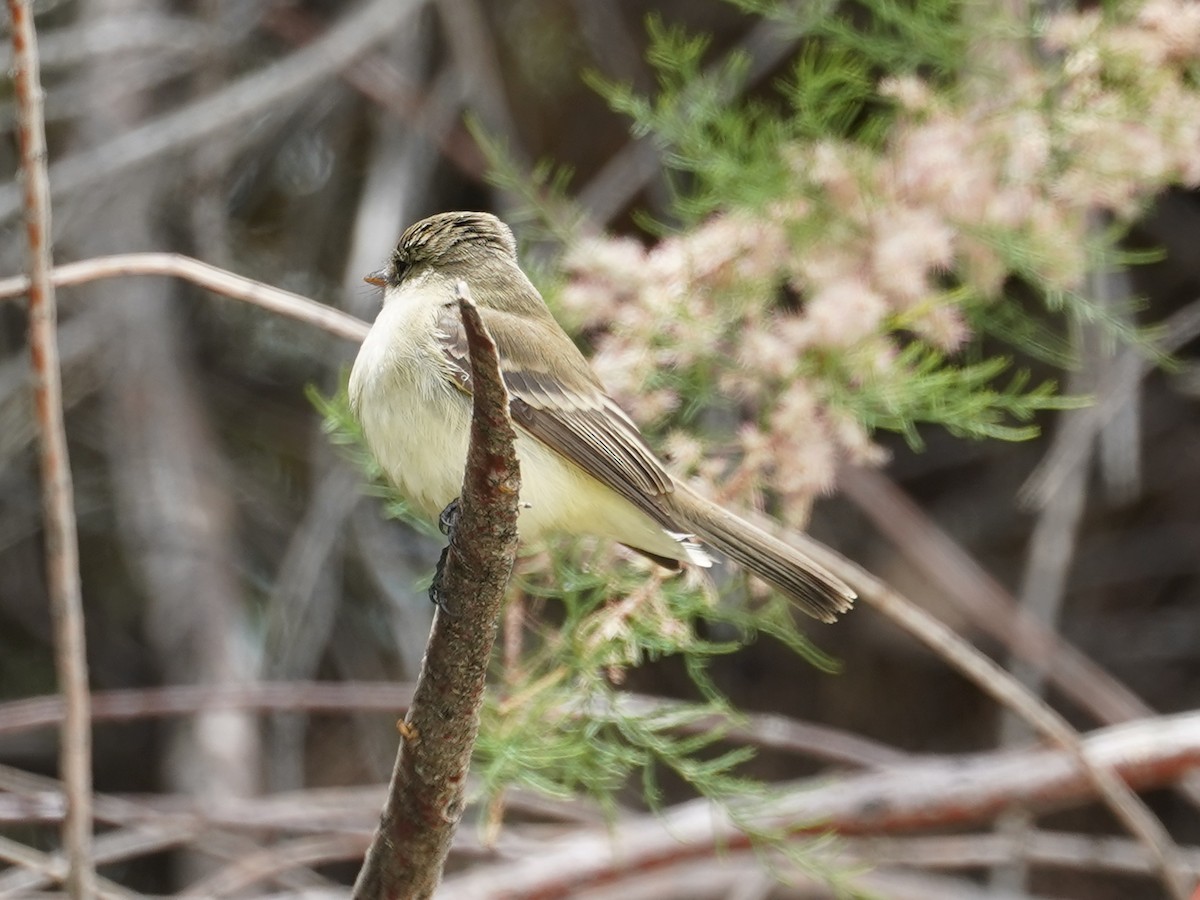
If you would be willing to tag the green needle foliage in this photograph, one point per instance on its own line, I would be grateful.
(964, 399)
(897, 145)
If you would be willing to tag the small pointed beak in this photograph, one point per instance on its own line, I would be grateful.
(377, 278)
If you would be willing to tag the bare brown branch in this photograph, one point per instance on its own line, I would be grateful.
(926, 794)
(215, 279)
(902, 798)
(426, 796)
(151, 825)
(62, 541)
(188, 699)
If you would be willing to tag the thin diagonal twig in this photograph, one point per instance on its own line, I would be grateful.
(629, 170)
(984, 601)
(262, 863)
(1007, 690)
(62, 541)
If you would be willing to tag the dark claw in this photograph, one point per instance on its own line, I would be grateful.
(448, 518)
(446, 523)
(435, 586)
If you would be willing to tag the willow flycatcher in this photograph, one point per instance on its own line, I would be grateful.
(585, 467)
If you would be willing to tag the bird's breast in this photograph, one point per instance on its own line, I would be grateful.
(413, 420)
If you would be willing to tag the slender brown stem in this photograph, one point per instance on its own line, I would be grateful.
(62, 545)
(426, 795)
(215, 279)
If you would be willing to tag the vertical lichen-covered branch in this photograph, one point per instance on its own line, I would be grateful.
(426, 794)
(62, 548)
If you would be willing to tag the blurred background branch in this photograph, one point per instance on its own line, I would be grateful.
(60, 532)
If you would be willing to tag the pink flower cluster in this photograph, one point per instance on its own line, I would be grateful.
(972, 187)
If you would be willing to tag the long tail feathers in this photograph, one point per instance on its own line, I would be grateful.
(814, 589)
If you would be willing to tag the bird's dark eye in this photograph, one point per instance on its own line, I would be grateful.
(401, 265)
